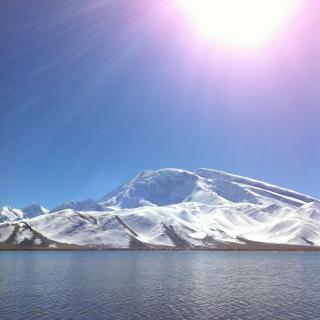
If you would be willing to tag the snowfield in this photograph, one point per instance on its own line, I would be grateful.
(174, 209)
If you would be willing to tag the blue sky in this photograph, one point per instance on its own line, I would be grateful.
(93, 92)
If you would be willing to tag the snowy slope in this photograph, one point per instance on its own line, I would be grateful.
(20, 235)
(85, 205)
(188, 224)
(170, 186)
(179, 209)
(8, 213)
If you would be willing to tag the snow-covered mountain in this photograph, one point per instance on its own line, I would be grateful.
(8, 213)
(85, 205)
(34, 210)
(171, 186)
(178, 209)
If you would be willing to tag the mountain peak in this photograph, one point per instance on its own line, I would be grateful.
(169, 186)
(34, 210)
(153, 187)
(7, 213)
(171, 207)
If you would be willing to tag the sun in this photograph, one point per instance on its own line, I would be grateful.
(239, 22)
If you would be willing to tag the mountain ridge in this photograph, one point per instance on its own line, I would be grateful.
(175, 209)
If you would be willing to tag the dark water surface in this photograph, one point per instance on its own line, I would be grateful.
(159, 285)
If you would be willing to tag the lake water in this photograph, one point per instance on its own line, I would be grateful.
(159, 285)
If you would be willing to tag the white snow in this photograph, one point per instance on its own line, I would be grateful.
(8, 213)
(24, 234)
(5, 231)
(196, 206)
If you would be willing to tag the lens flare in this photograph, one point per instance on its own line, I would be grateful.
(239, 22)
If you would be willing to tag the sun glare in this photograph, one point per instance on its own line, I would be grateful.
(239, 22)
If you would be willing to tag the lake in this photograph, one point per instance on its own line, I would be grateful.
(159, 285)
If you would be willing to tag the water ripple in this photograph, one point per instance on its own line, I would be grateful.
(159, 285)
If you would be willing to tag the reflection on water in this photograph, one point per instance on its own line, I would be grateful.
(159, 285)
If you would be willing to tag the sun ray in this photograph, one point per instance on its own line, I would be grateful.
(239, 22)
